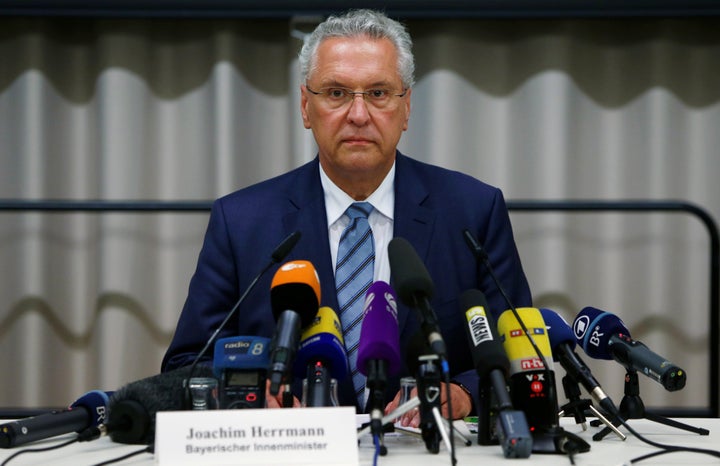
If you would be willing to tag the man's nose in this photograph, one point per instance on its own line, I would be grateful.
(358, 113)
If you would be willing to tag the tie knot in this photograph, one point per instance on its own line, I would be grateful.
(359, 210)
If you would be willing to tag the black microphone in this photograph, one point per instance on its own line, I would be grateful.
(295, 299)
(424, 363)
(511, 430)
(562, 342)
(133, 407)
(87, 411)
(415, 288)
(604, 336)
(282, 250)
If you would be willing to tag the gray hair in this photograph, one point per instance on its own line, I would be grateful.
(359, 23)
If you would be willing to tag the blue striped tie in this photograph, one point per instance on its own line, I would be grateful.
(353, 276)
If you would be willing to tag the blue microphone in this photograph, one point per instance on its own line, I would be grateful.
(562, 342)
(89, 410)
(604, 336)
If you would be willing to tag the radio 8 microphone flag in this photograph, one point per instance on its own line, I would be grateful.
(240, 364)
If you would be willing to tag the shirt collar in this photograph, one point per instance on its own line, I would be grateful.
(337, 200)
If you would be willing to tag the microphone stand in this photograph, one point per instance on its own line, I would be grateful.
(632, 407)
(577, 407)
(428, 381)
(376, 381)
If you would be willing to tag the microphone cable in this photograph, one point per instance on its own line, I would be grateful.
(38, 450)
(149, 449)
(482, 256)
(664, 448)
(91, 433)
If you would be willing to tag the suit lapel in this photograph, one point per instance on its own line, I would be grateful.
(310, 219)
(413, 221)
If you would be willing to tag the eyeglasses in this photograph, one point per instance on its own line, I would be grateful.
(337, 97)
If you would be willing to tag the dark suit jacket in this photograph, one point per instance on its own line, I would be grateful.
(432, 208)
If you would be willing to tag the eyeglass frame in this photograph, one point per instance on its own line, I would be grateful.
(350, 95)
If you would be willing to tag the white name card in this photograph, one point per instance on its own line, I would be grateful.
(318, 436)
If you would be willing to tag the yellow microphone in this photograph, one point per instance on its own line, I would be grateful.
(321, 357)
(519, 350)
(532, 385)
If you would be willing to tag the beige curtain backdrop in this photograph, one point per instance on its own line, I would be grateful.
(194, 109)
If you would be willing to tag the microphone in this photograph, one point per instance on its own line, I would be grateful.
(240, 364)
(540, 401)
(294, 298)
(321, 357)
(604, 336)
(379, 346)
(282, 250)
(87, 411)
(532, 382)
(415, 289)
(493, 366)
(132, 408)
(425, 364)
(562, 342)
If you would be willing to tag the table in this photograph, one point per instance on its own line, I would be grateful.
(406, 450)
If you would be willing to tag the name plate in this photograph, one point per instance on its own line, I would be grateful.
(318, 436)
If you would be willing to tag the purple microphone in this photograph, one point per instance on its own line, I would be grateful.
(379, 335)
(379, 347)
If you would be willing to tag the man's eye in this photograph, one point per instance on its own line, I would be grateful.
(336, 93)
(378, 93)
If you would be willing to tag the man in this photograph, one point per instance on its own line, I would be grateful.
(357, 72)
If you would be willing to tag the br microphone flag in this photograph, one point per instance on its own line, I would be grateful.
(604, 336)
(90, 410)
